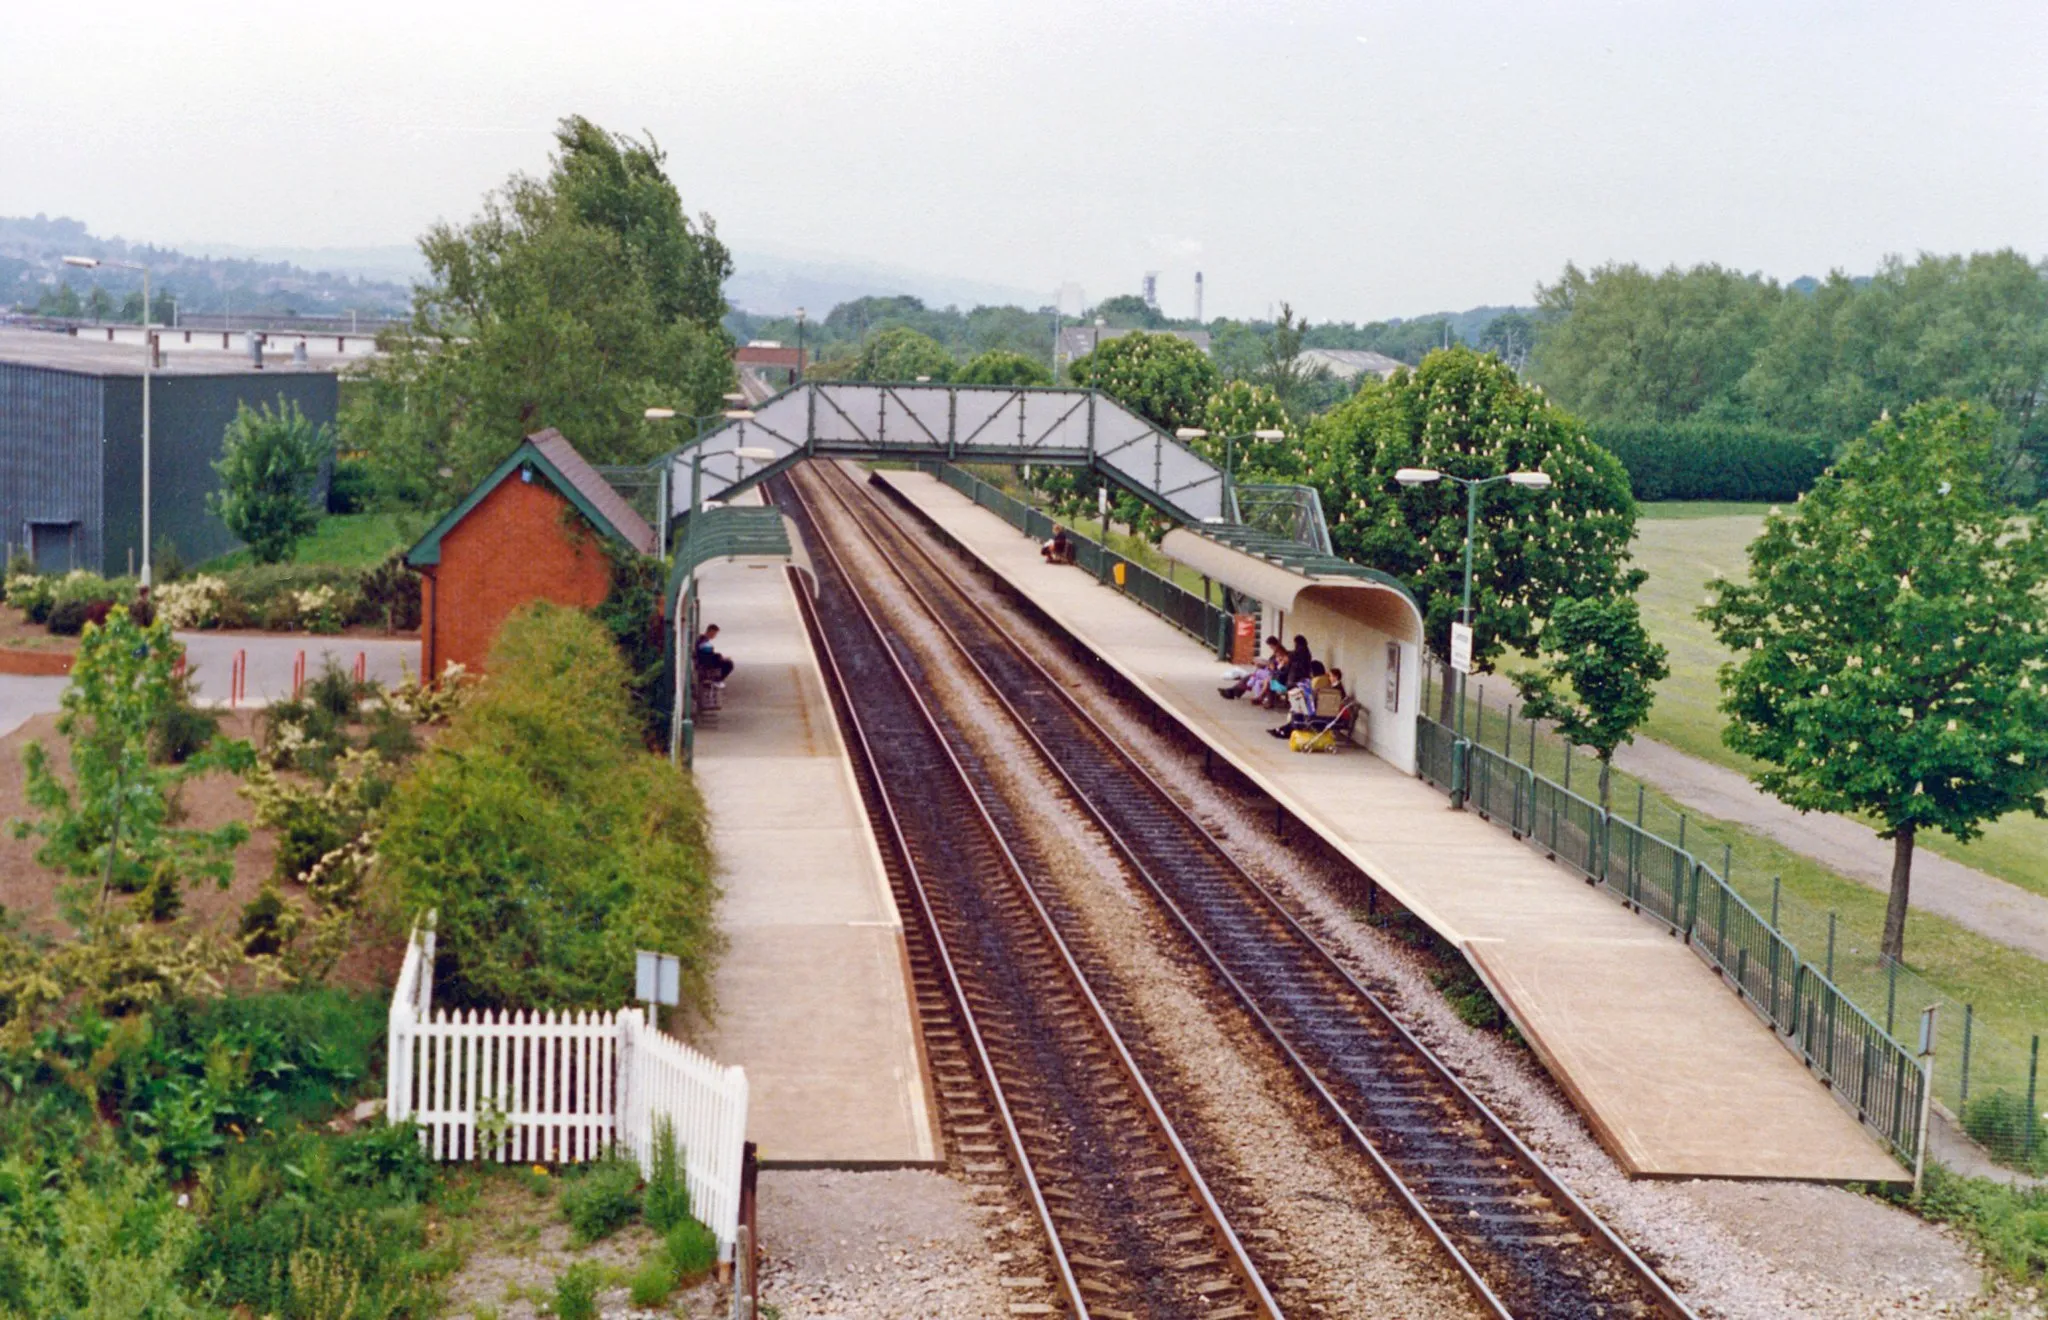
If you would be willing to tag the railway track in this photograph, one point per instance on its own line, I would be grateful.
(1034, 1082)
(1525, 1245)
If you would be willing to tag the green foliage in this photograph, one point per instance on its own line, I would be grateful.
(2009, 1223)
(181, 731)
(110, 821)
(666, 1201)
(1237, 409)
(692, 1249)
(1164, 379)
(551, 842)
(390, 592)
(350, 487)
(1003, 367)
(1465, 414)
(1599, 675)
(114, 1246)
(1892, 642)
(269, 464)
(576, 1291)
(574, 300)
(602, 1198)
(1713, 460)
(632, 612)
(654, 1280)
(1299, 387)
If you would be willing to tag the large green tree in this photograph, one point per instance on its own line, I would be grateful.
(1892, 642)
(1623, 344)
(269, 465)
(1163, 378)
(1231, 416)
(1468, 415)
(1002, 367)
(574, 301)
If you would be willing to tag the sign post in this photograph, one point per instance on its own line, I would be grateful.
(657, 979)
(1926, 1095)
(1461, 648)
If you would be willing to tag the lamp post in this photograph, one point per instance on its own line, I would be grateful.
(1472, 485)
(682, 740)
(148, 362)
(798, 378)
(1229, 454)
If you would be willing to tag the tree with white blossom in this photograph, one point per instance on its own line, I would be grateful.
(1892, 642)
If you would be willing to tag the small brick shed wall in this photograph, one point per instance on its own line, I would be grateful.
(524, 541)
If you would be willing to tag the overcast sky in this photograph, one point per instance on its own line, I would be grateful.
(1360, 160)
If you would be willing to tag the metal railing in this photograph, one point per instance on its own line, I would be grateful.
(1207, 623)
(1883, 1080)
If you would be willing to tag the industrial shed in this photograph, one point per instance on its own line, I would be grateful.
(71, 442)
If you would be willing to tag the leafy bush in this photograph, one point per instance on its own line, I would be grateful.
(181, 732)
(666, 1202)
(576, 1291)
(1713, 461)
(67, 618)
(391, 594)
(692, 1249)
(550, 840)
(194, 603)
(350, 486)
(26, 589)
(602, 1198)
(269, 467)
(654, 1280)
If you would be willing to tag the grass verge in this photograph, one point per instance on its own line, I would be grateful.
(346, 540)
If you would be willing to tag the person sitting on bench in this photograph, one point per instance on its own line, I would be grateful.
(711, 666)
(1059, 550)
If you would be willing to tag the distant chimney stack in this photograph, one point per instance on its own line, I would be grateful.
(1198, 297)
(1152, 289)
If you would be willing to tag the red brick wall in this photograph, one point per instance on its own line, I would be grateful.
(513, 547)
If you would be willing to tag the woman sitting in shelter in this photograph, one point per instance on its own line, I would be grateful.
(1260, 677)
(1059, 550)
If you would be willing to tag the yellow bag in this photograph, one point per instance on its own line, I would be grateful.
(1303, 740)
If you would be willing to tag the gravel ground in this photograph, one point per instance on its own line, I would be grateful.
(1736, 1250)
(878, 1246)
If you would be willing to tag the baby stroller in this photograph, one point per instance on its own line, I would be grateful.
(1334, 717)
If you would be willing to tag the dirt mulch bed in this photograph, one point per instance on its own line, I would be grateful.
(30, 648)
(28, 889)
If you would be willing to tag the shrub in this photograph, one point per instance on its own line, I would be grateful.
(67, 618)
(576, 1291)
(692, 1250)
(666, 1202)
(550, 840)
(181, 732)
(1713, 461)
(602, 1198)
(269, 466)
(391, 594)
(654, 1280)
(349, 486)
(195, 603)
(29, 592)
(267, 924)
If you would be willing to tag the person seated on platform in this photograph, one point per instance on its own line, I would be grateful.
(1059, 550)
(711, 666)
(1295, 671)
(1337, 683)
(1259, 678)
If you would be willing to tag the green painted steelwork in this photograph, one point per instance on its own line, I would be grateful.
(728, 532)
(1869, 1070)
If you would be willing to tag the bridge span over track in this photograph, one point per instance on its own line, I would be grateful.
(959, 423)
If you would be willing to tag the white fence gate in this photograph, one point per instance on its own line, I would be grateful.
(562, 1088)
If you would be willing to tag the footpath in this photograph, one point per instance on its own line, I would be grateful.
(1994, 908)
(1674, 1075)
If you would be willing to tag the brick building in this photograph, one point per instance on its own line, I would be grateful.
(527, 532)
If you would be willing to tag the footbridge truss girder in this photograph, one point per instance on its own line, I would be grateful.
(956, 423)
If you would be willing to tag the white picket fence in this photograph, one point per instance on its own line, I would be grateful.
(561, 1088)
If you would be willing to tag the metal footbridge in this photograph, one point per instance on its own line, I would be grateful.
(957, 423)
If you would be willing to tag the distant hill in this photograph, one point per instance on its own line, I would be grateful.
(776, 285)
(33, 276)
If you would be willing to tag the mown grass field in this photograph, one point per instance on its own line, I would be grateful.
(349, 540)
(1683, 547)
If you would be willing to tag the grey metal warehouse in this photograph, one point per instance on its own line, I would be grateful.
(71, 440)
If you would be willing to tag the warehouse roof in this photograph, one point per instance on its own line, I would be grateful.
(89, 355)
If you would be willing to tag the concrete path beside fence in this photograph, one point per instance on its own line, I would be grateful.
(1994, 908)
(814, 988)
(1674, 1074)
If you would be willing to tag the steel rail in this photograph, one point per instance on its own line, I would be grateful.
(1274, 911)
(1236, 1259)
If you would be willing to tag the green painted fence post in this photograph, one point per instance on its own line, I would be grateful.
(1721, 927)
(2033, 1075)
(1968, 1013)
(1891, 992)
(1831, 947)
(1510, 744)
(1776, 884)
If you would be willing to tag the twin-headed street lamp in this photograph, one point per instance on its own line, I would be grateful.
(1229, 450)
(1427, 476)
(148, 362)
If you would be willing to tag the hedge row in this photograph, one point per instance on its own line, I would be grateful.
(1713, 461)
(322, 598)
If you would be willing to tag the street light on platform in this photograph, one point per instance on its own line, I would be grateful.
(1527, 480)
(148, 364)
(1229, 451)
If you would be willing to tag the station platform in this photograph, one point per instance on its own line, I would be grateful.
(813, 991)
(1675, 1076)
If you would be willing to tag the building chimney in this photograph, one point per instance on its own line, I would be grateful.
(1198, 297)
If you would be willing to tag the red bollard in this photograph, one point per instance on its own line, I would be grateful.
(238, 679)
(362, 667)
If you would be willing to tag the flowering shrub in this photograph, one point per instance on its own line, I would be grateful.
(191, 604)
(320, 609)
